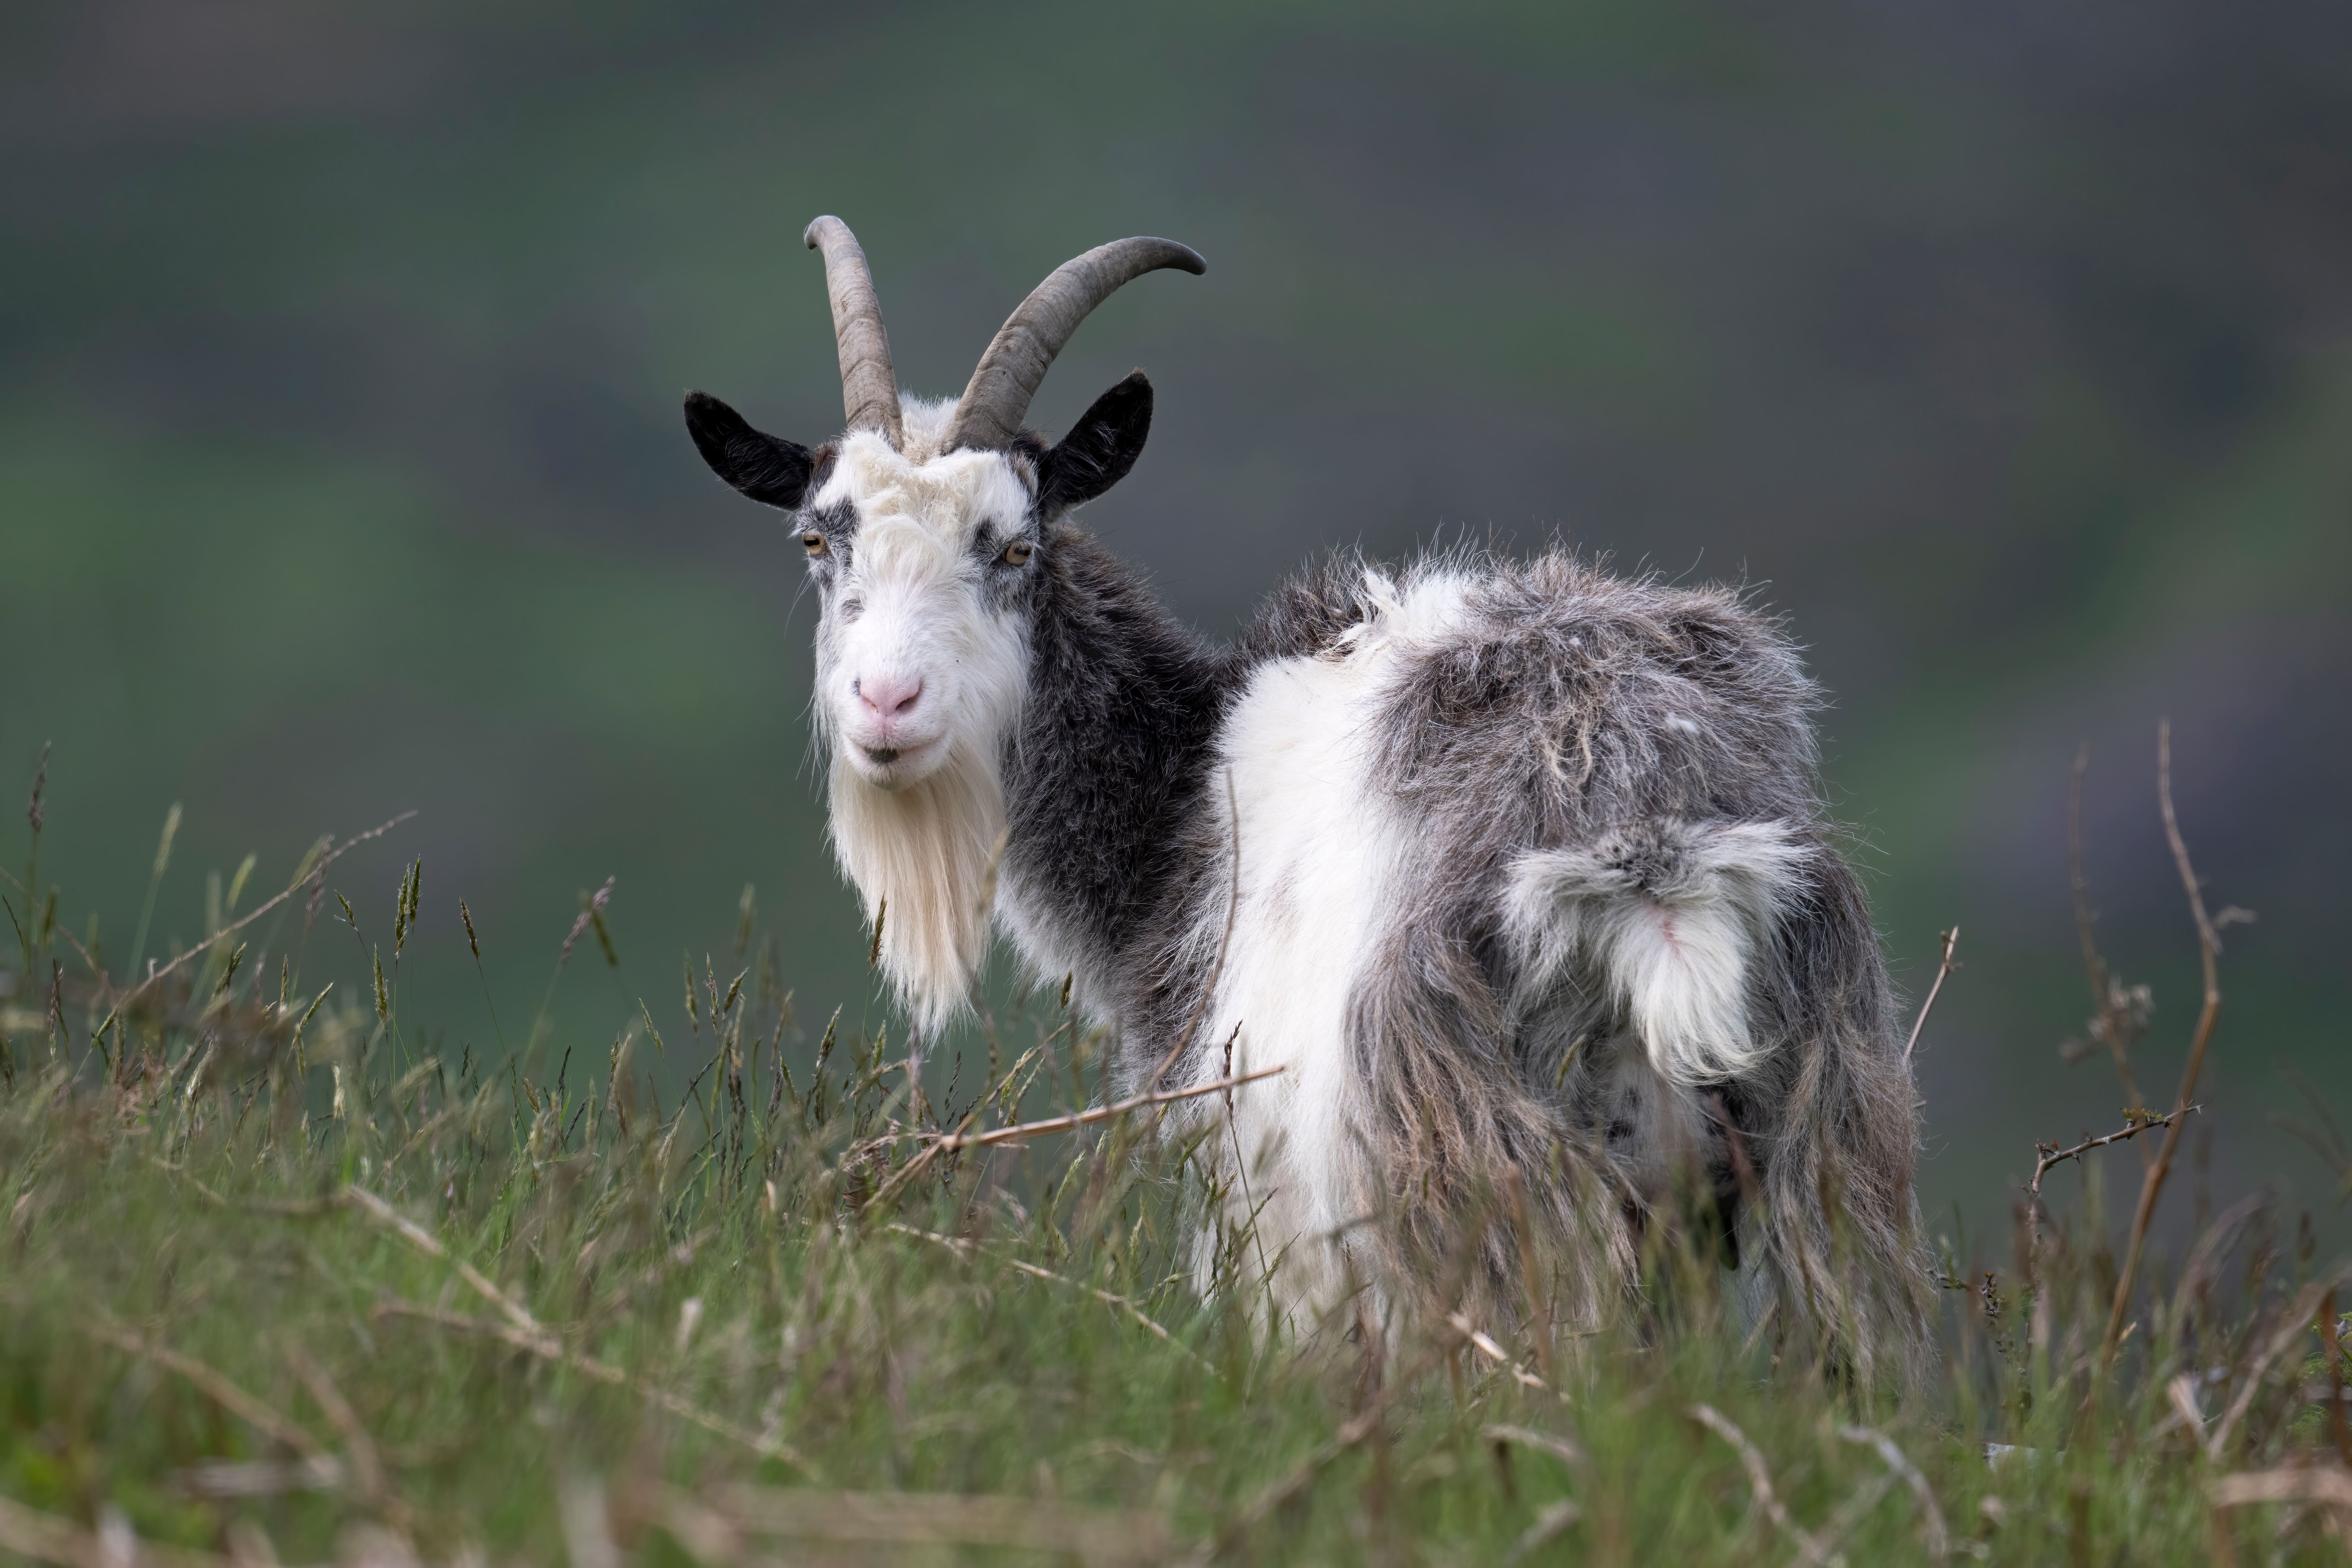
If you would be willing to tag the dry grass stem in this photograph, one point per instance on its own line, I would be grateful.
(424, 1241)
(965, 1248)
(544, 1346)
(46, 1537)
(2209, 951)
(336, 853)
(1951, 940)
(1552, 1442)
(2293, 1323)
(1093, 1114)
(1760, 1482)
(938, 1520)
(2321, 1484)
(2105, 1020)
(1551, 1519)
(1938, 1539)
(359, 1449)
(255, 1412)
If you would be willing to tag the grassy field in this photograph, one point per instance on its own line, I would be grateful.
(289, 1277)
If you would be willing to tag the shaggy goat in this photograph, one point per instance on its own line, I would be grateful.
(1520, 870)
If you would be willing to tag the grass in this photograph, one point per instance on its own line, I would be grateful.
(284, 1279)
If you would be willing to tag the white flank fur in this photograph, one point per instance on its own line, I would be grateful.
(1670, 916)
(1318, 850)
(919, 837)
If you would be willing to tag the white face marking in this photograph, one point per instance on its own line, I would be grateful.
(922, 665)
(918, 651)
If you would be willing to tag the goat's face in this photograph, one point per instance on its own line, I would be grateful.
(923, 570)
(926, 563)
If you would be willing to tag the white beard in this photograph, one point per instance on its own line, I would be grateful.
(923, 858)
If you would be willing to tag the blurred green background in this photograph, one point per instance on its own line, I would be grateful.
(2008, 350)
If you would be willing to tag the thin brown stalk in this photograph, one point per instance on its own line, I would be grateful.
(1098, 1113)
(1486, 1345)
(1530, 1274)
(967, 1249)
(255, 1412)
(1300, 1475)
(2288, 1483)
(907, 1172)
(46, 1537)
(547, 1347)
(2050, 1154)
(1760, 1482)
(424, 1241)
(1550, 1522)
(2331, 1345)
(1951, 939)
(2209, 951)
(2292, 1326)
(1938, 1538)
(941, 1520)
(1552, 1442)
(2104, 1020)
(253, 914)
(359, 1449)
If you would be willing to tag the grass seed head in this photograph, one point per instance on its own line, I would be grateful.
(33, 811)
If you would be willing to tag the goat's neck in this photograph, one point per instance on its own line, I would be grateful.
(1104, 771)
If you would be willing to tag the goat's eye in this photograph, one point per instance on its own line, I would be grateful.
(813, 542)
(1017, 552)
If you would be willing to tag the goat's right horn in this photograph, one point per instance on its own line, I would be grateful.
(869, 391)
(997, 398)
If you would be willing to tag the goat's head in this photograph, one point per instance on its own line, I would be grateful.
(927, 527)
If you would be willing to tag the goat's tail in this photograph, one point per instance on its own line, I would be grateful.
(1672, 918)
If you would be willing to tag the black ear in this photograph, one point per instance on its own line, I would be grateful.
(765, 468)
(1099, 450)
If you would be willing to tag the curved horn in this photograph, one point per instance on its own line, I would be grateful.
(869, 391)
(997, 397)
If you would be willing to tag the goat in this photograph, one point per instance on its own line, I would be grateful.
(1521, 870)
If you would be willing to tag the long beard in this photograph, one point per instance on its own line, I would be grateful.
(923, 859)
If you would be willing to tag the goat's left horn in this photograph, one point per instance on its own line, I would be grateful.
(869, 390)
(997, 397)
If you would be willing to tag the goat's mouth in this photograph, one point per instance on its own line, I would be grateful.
(900, 763)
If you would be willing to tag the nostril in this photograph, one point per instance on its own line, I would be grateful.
(888, 697)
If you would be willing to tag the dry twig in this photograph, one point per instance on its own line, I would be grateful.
(359, 1449)
(2050, 1154)
(1939, 1539)
(255, 1413)
(547, 1347)
(2209, 950)
(2106, 1021)
(2293, 1323)
(336, 853)
(46, 1537)
(965, 1248)
(1077, 1119)
(1951, 939)
(1550, 1522)
(424, 1241)
(1760, 1482)
(2288, 1483)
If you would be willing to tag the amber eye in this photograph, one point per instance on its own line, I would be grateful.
(1017, 552)
(814, 541)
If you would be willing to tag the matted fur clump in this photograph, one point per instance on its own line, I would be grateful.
(1520, 870)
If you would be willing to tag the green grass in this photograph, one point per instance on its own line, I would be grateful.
(304, 1280)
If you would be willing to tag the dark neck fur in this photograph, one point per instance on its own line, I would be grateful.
(1111, 753)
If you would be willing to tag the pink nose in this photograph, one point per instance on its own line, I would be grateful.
(890, 697)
